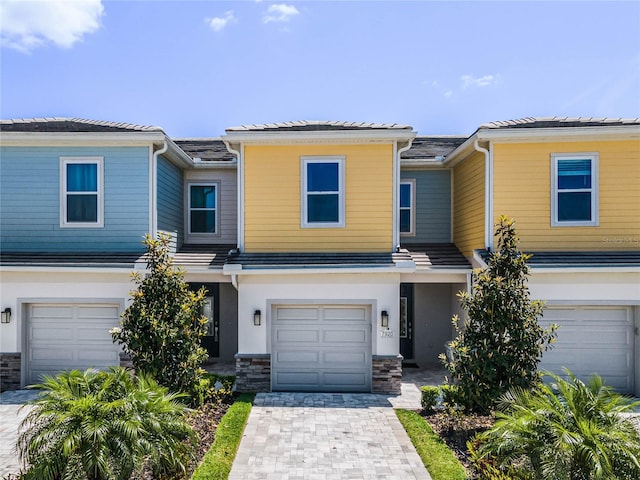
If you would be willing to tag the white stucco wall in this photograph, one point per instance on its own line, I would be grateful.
(381, 291)
(19, 288)
(620, 288)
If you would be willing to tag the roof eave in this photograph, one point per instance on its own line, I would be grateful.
(323, 136)
(80, 138)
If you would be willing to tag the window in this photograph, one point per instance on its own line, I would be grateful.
(203, 208)
(575, 189)
(407, 200)
(81, 202)
(323, 192)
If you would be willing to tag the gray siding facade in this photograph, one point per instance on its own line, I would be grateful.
(432, 206)
(30, 200)
(170, 201)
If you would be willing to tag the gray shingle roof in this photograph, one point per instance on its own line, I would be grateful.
(60, 124)
(316, 125)
(203, 256)
(435, 255)
(546, 122)
(626, 258)
(37, 259)
(433, 146)
(312, 260)
(206, 149)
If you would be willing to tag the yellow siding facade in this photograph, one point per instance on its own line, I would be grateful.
(272, 200)
(522, 190)
(468, 204)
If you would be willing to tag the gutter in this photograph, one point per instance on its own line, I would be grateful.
(153, 175)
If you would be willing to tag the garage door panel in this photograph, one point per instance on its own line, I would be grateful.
(297, 357)
(345, 336)
(297, 335)
(590, 340)
(321, 348)
(70, 336)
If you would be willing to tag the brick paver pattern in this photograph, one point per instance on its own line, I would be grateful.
(323, 436)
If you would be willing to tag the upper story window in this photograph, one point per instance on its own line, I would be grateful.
(407, 208)
(323, 192)
(81, 196)
(203, 208)
(574, 198)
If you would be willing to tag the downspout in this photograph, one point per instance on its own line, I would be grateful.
(488, 195)
(234, 281)
(240, 211)
(396, 192)
(154, 188)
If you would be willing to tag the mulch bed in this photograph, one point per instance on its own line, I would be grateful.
(456, 429)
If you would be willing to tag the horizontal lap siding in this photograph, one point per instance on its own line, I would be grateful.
(30, 200)
(468, 204)
(170, 198)
(522, 185)
(433, 206)
(272, 200)
(228, 204)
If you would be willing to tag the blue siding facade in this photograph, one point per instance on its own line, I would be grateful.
(432, 208)
(30, 200)
(170, 201)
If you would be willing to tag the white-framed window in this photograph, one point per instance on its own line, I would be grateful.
(81, 192)
(407, 203)
(203, 208)
(322, 192)
(574, 196)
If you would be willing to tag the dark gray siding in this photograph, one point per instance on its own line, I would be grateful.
(170, 201)
(433, 206)
(30, 200)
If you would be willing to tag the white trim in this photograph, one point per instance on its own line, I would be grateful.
(99, 162)
(340, 161)
(552, 134)
(308, 270)
(216, 185)
(18, 139)
(323, 136)
(593, 157)
(412, 208)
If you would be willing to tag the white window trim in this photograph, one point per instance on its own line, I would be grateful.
(217, 209)
(64, 161)
(595, 217)
(341, 191)
(412, 209)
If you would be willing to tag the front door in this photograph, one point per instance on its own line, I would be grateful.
(211, 340)
(406, 320)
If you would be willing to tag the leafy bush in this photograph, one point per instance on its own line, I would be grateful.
(161, 330)
(429, 397)
(500, 345)
(449, 395)
(103, 425)
(567, 430)
(215, 388)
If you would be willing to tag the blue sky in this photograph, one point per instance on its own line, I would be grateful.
(197, 67)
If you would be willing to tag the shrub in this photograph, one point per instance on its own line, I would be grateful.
(162, 328)
(449, 395)
(429, 397)
(567, 430)
(215, 388)
(500, 345)
(103, 425)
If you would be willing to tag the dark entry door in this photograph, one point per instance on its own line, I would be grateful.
(211, 341)
(406, 320)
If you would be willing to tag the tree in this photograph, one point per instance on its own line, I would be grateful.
(104, 426)
(565, 430)
(501, 343)
(162, 328)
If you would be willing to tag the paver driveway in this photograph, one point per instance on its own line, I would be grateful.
(325, 436)
(11, 414)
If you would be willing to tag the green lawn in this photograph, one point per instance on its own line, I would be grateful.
(440, 461)
(216, 464)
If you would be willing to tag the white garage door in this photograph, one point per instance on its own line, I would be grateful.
(69, 336)
(593, 340)
(321, 348)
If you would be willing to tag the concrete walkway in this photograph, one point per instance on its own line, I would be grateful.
(323, 436)
(11, 415)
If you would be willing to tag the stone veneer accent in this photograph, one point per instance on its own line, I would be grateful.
(253, 372)
(386, 371)
(10, 365)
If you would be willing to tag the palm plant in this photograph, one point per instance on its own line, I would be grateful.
(564, 430)
(103, 425)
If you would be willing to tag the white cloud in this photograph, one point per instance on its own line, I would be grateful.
(448, 94)
(27, 24)
(470, 81)
(280, 13)
(218, 23)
